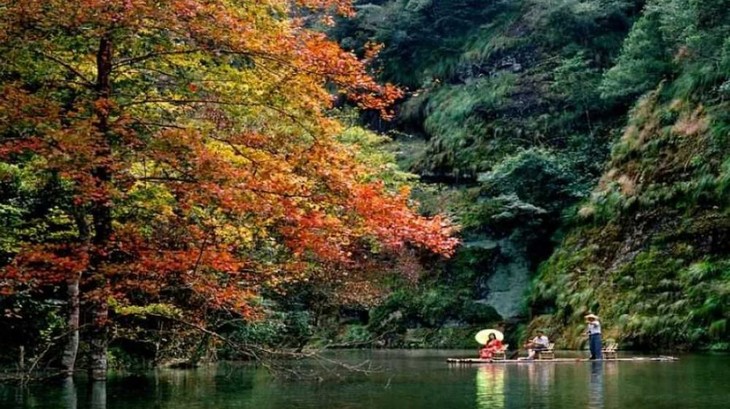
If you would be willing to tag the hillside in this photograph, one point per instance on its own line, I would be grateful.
(651, 253)
(583, 147)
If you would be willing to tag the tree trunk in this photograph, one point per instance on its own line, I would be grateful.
(68, 359)
(98, 341)
(101, 212)
(73, 313)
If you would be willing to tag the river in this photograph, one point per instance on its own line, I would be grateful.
(403, 380)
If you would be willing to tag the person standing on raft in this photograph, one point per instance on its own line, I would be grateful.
(594, 336)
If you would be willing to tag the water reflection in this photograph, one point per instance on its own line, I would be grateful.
(68, 394)
(490, 386)
(413, 382)
(540, 376)
(595, 389)
(98, 395)
(610, 380)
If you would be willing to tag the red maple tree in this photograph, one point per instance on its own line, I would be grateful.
(196, 141)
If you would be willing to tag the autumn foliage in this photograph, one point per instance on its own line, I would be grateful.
(195, 145)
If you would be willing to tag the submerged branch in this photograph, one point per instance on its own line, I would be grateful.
(279, 361)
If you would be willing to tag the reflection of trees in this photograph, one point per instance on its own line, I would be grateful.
(98, 395)
(68, 394)
(490, 387)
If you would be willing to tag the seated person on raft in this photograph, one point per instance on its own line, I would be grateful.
(493, 345)
(539, 343)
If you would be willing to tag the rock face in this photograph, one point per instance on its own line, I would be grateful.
(507, 285)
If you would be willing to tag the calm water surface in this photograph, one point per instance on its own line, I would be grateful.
(407, 380)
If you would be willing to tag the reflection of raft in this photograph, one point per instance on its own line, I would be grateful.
(469, 361)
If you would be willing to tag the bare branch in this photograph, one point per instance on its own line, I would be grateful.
(158, 125)
(165, 179)
(141, 58)
(279, 361)
(186, 102)
(86, 81)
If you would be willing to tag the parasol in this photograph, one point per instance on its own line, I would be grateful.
(483, 336)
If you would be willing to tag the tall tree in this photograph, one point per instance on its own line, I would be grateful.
(201, 161)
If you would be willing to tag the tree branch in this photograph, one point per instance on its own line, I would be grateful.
(165, 179)
(134, 60)
(86, 81)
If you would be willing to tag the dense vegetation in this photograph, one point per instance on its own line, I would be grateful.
(650, 251)
(582, 143)
(170, 169)
(184, 190)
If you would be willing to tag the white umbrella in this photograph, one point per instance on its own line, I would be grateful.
(482, 336)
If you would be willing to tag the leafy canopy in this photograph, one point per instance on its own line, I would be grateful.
(192, 141)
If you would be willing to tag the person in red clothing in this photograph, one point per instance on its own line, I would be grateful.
(493, 345)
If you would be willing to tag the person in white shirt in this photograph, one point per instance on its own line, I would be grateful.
(539, 343)
(594, 336)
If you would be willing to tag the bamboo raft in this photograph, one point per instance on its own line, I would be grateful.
(471, 361)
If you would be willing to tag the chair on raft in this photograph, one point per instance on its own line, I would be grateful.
(547, 354)
(501, 354)
(610, 350)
